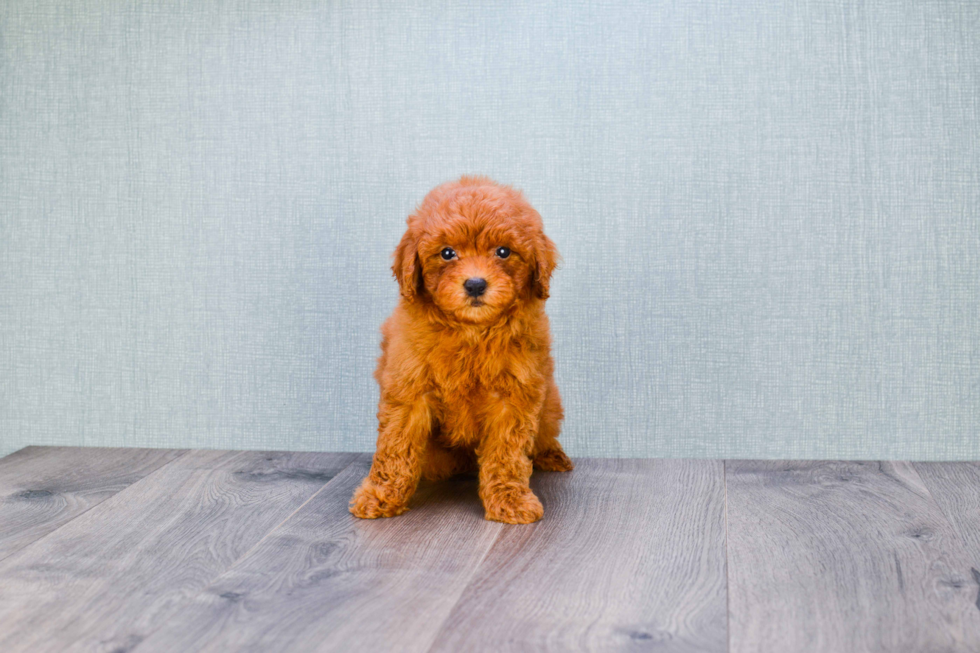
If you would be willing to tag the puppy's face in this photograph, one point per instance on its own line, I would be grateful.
(473, 276)
(474, 249)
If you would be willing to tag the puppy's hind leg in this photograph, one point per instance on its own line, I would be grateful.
(403, 431)
(548, 454)
(553, 460)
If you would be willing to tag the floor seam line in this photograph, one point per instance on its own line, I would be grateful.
(288, 517)
(954, 526)
(473, 576)
(94, 506)
(239, 559)
(728, 565)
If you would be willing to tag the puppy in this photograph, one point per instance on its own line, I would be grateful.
(466, 373)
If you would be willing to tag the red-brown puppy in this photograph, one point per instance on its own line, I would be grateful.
(465, 371)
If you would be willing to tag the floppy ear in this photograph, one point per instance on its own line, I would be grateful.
(546, 258)
(406, 266)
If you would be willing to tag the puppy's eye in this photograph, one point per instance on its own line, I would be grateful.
(448, 253)
(503, 252)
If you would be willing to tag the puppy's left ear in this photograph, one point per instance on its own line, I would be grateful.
(546, 258)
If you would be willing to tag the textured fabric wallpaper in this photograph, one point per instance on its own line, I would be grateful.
(769, 214)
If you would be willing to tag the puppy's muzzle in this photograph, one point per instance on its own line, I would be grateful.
(475, 287)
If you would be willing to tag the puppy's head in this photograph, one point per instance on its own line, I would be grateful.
(475, 249)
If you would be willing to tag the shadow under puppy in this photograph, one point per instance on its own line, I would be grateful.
(465, 371)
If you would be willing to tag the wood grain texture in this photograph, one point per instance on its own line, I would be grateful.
(956, 488)
(42, 488)
(105, 579)
(844, 556)
(147, 550)
(630, 556)
(327, 581)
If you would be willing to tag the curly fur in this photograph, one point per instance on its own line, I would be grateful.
(467, 384)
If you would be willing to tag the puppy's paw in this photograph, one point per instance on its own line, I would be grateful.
(553, 460)
(369, 502)
(513, 507)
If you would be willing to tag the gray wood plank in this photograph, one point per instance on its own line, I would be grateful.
(326, 581)
(630, 556)
(956, 488)
(42, 488)
(844, 556)
(105, 579)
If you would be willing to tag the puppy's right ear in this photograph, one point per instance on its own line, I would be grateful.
(406, 265)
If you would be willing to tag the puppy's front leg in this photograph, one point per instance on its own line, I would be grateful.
(403, 432)
(505, 466)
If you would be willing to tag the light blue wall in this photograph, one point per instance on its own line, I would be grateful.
(769, 214)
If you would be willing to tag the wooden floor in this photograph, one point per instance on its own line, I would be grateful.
(123, 550)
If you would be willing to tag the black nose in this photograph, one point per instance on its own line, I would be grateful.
(475, 287)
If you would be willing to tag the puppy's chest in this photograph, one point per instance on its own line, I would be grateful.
(468, 383)
(461, 411)
(462, 378)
